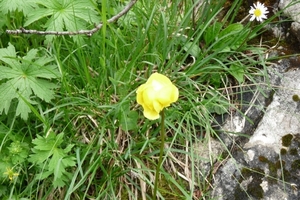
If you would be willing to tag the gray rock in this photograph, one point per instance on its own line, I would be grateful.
(208, 152)
(291, 8)
(225, 180)
(282, 116)
(268, 165)
(295, 29)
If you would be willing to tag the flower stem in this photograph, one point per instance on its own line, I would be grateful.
(161, 152)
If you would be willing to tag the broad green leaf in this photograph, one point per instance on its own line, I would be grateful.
(61, 182)
(70, 15)
(8, 72)
(31, 54)
(38, 156)
(44, 144)
(52, 159)
(38, 14)
(42, 88)
(23, 109)
(229, 38)
(237, 72)
(48, 143)
(192, 48)
(43, 60)
(27, 79)
(26, 6)
(129, 120)
(69, 161)
(8, 55)
(212, 32)
(44, 174)
(68, 148)
(56, 164)
(232, 29)
(7, 94)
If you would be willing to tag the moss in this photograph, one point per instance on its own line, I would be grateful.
(263, 159)
(273, 167)
(254, 189)
(287, 140)
(272, 173)
(254, 172)
(283, 151)
(296, 98)
(295, 165)
(293, 152)
(287, 175)
(239, 193)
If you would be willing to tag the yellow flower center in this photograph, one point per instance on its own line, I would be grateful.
(257, 12)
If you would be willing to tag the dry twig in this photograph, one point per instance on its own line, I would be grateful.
(79, 32)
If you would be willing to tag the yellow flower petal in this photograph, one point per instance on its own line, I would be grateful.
(150, 114)
(157, 106)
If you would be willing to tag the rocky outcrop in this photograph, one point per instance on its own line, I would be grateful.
(268, 165)
(291, 9)
(264, 139)
(262, 142)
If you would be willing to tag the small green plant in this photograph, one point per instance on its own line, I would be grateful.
(25, 80)
(52, 159)
(14, 151)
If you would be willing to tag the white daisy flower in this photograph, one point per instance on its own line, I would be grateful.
(258, 12)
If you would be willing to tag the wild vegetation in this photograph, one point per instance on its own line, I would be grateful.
(70, 126)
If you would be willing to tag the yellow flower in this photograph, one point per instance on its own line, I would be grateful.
(10, 173)
(156, 94)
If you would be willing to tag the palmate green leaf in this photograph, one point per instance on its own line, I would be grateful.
(43, 175)
(71, 15)
(52, 158)
(6, 97)
(61, 182)
(59, 162)
(48, 143)
(38, 157)
(8, 56)
(42, 88)
(25, 79)
(26, 6)
(56, 165)
(23, 109)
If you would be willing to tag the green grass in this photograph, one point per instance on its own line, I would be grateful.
(114, 149)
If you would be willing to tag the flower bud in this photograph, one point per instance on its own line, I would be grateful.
(156, 94)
